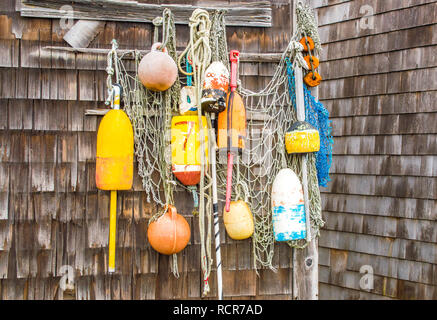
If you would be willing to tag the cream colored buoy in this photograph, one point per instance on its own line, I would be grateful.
(157, 70)
(238, 220)
(288, 207)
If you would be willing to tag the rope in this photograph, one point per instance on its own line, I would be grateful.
(111, 59)
(307, 25)
(198, 52)
(157, 22)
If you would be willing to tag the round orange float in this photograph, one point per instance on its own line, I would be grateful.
(304, 43)
(312, 79)
(170, 233)
(312, 59)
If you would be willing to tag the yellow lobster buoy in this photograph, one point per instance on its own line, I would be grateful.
(185, 148)
(238, 220)
(301, 138)
(114, 161)
(115, 152)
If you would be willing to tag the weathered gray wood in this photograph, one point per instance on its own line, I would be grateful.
(403, 60)
(419, 272)
(417, 123)
(382, 206)
(316, 4)
(381, 246)
(396, 82)
(331, 292)
(419, 102)
(410, 229)
(256, 14)
(384, 42)
(393, 186)
(127, 53)
(385, 22)
(350, 10)
(417, 144)
(386, 165)
(382, 285)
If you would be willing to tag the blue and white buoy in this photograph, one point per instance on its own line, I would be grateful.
(289, 219)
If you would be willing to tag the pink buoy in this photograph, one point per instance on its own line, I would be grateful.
(157, 70)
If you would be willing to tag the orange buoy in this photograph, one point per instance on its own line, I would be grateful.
(312, 80)
(232, 138)
(312, 59)
(304, 43)
(170, 233)
(232, 124)
(157, 70)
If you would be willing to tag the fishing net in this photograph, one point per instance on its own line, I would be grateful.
(270, 112)
(318, 117)
(150, 113)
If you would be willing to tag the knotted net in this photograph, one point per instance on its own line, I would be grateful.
(270, 112)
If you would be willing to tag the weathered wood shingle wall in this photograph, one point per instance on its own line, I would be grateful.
(51, 213)
(381, 205)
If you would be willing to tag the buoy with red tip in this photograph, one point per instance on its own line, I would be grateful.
(232, 125)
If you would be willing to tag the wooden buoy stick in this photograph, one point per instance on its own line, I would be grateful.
(300, 102)
(112, 230)
(229, 180)
(305, 262)
(218, 256)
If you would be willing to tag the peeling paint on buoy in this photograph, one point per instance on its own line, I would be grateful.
(288, 207)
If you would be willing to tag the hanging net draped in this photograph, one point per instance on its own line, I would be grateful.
(270, 112)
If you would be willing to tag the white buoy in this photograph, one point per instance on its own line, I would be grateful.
(288, 207)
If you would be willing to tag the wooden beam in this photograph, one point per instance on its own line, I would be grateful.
(305, 261)
(253, 14)
(129, 54)
(256, 116)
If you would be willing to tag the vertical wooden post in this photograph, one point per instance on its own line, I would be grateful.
(305, 261)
